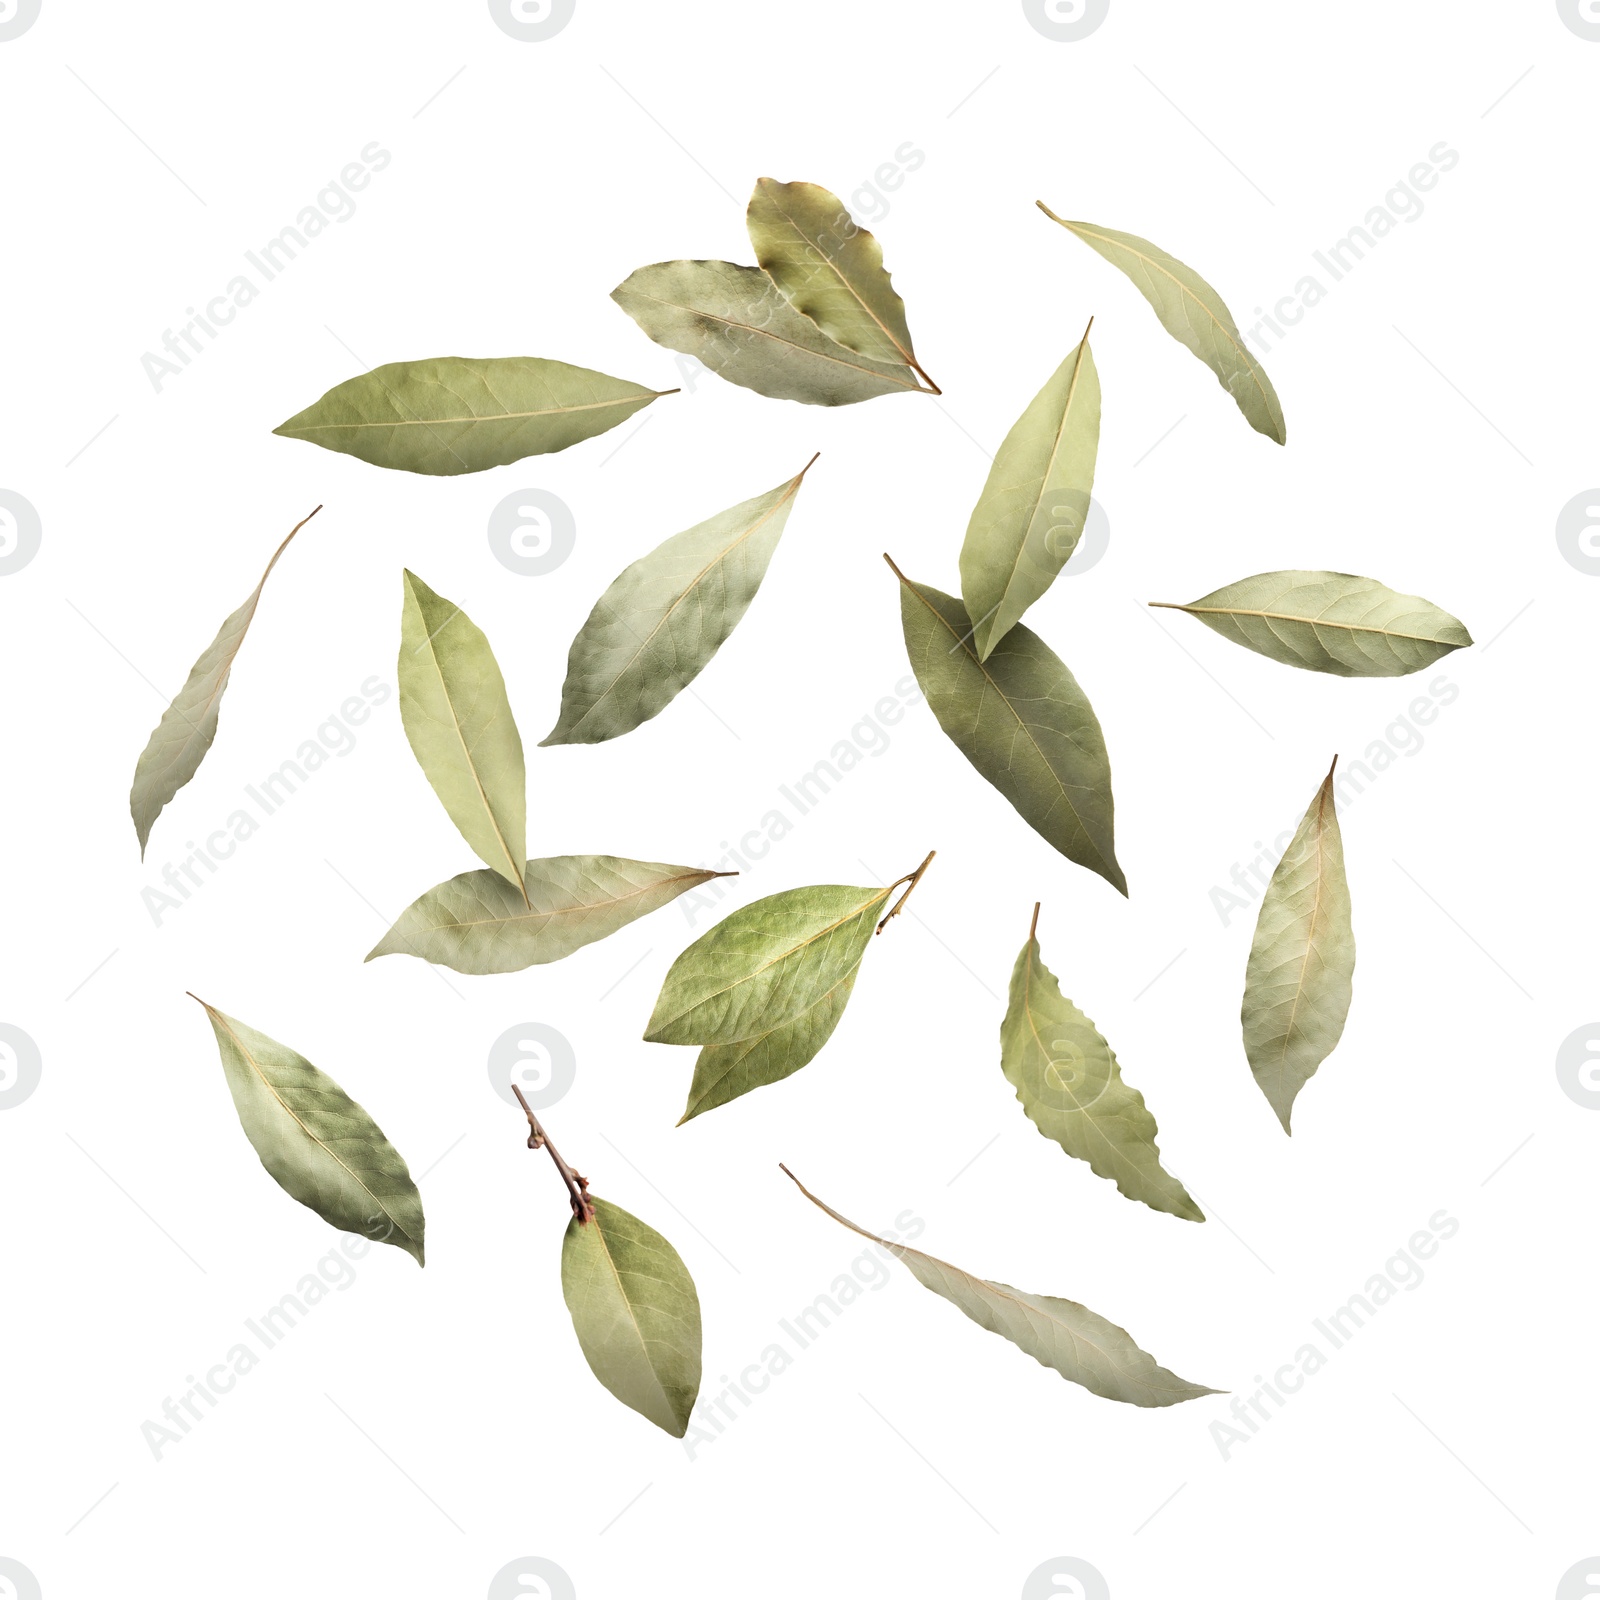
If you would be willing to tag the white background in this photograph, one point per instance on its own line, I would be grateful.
(420, 1430)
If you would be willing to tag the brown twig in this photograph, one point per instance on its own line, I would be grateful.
(1033, 927)
(911, 880)
(577, 1184)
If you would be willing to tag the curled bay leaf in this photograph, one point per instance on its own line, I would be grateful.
(457, 716)
(1021, 720)
(453, 414)
(1035, 502)
(477, 923)
(1193, 313)
(829, 269)
(664, 618)
(1302, 959)
(320, 1146)
(1060, 1334)
(735, 321)
(1068, 1082)
(636, 1313)
(1329, 622)
(179, 742)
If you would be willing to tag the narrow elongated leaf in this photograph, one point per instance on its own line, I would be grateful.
(1072, 1340)
(1302, 959)
(1068, 1081)
(454, 414)
(723, 1072)
(636, 1313)
(665, 617)
(1032, 511)
(1021, 720)
(828, 268)
(1330, 622)
(477, 923)
(734, 321)
(321, 1147)
(456, 714)
(187, 727)
(1193, 313)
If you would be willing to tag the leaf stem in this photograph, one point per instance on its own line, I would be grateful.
(1033, 927)
(911, 880)
(538, 1139)
(916, 367)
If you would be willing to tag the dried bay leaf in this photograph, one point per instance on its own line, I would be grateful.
(1302, 959)
(319, 1145)
(1071, 1087)
(663, 618)
(454, 414)
(1061, 1334)
(1329, 622)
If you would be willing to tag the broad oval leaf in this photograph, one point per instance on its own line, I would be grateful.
(1068, 1081)
(477, 923)
(1034, 504)
(765, 965)
(1061, 1334)
(1193, 313)
(1330, 622)
(829, 269)
(636, 1313)
(321, 1147)
(735, 321)
(187, 727)
(1021, 720)
(454, 414)
(1302, 960)
(457, 716)
(664, 618)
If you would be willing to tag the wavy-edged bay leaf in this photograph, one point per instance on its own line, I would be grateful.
(735, 321)
(663, 618)
(1302, 959)
(636, 1313)
(455, 414)
(477, 923)
(1035, 502)
(829, 269)
(188, 726)
(1193, 313)
(1329, 622)
(319, 1145)
(458, 718)
(1061, 1334)
(1021, 720)
(1071, 1087)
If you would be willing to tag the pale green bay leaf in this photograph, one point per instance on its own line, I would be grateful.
(458, 718)
(477, 923)
(321, 1147)
(636, 1313)
(1193, 313)
(1022, 721)
(663, 619)
(453, 414)
(828, 268)
(179, 742)
(765, 964)
(1330, 622)
(1069, 1084)
(1034, 505)
(1060, 1334)
(1302, 960)
(723, 1072)
(735, 321)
